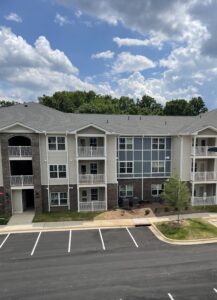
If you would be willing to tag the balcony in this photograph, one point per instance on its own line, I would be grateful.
(203, 151)
(92, 206)
(21, 180)
(91, 151)
(20, 151)
(204, 176)
(209, 200)
(91, 178)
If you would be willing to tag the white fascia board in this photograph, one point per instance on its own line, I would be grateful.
(20, 124)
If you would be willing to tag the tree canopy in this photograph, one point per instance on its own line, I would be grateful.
(90, 102)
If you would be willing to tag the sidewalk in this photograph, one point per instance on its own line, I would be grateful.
(116, 223)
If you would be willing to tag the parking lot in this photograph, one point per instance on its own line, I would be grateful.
(44, 244)
(119, 264)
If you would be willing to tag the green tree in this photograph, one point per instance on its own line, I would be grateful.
(6, 103)
(178, 107)
(149, 106)
(197, 106)
(176, 193)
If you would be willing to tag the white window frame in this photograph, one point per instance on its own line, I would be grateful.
(125, 190)
(127, 143)
(125, 167)
(158, 141)
(58, 194)
(158, 187)
(56, 143)
(158, 162)
(57, 171)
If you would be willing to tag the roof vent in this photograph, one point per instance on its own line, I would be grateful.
(140, 118)
(165, 123)
(128, 117)
(107, 121)
(25, 105)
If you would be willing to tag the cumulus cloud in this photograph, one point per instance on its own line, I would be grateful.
(13, 17)
(78, 13)
(104, 55)
(62, 20)
(127, 62)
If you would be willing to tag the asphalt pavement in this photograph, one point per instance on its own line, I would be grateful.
(104, 264)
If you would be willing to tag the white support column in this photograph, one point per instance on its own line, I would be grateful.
(77, 170)
(193, 171)
(142, 168)
(181, 157)
(105, 170)
(48, 177)
(67, 158)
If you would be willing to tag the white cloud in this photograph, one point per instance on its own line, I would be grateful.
(104, 55)
(62, 20)
(127, 62)
(14, 17)
(153, 41)
(78, 13)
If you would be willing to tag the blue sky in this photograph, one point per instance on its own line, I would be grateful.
(166, 49)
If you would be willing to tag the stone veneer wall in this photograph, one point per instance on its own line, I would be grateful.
(112, 195)
(137, 187)
(35, 166)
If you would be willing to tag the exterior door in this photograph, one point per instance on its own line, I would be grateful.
(17, 201)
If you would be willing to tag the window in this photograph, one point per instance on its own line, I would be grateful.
(126, 143)
(93, 168)
(158, 143)
(126, 190)
(158, 166)
(58, 199)
(126, 167)
(156, 190)
(57, 171)
(93, 142)
(56, 143)
(94, 194)
(84, 195)
(83, 169)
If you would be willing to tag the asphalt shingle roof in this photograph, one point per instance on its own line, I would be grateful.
(43, 118)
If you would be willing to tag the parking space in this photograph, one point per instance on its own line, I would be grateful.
(85, 241)
(51, 244)
(117, 239)
(44, 244)
(17, 245)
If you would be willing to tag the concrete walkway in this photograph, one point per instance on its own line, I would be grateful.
(21, 219)
(23, 223)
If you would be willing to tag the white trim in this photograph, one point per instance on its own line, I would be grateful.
(20, 124)
(67, 168)
(181, 156)
(48, 172)
(89, 125)
(142, 185)
(204, 128)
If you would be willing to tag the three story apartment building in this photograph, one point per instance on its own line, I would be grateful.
(50, 160)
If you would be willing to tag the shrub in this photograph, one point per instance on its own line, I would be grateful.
(147, 212)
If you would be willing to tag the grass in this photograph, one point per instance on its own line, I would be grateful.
(188, 230)
(65, 216)
(4, 219)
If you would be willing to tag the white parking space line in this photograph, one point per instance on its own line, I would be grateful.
(36, 242)
(100, 234)
(5, 239)
(215, 290)
(170, 296)
(70, 238)
(132, 237)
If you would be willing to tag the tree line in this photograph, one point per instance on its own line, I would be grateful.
(90, 102)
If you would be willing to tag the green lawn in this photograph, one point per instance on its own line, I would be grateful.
(188, 230)
(4, 219)
(65, 216)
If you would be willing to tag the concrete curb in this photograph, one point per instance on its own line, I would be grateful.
(165, 239)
